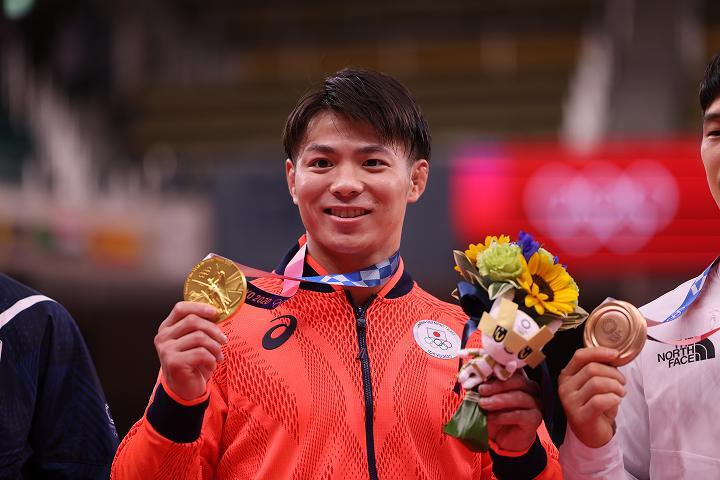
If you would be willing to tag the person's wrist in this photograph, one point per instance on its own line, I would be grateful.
(593, 438)
(508, 453)
(180, 397)
(527, 465)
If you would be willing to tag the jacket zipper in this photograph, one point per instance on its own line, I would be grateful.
(364, 358)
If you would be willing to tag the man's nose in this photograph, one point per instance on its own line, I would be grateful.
(347, 182)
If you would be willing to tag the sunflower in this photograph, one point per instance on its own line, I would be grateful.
(548, 285)
(474, 250)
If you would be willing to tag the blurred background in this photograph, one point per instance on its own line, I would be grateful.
(137, 136)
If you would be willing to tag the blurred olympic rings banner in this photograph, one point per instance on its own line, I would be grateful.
(632, 205)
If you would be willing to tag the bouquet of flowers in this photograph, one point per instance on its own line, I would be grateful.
(518, 295)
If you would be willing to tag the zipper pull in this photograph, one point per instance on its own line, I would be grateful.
(361, 325)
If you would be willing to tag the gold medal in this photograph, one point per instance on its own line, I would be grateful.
(619, 325)
(217, 282)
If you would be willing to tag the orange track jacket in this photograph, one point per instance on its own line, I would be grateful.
(318, 388)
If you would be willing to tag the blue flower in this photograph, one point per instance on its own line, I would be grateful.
(528, 245)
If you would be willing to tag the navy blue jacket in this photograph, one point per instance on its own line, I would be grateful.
(54, 420)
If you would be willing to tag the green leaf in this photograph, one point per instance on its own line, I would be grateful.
(571, 320)
(467, 270)
(574, 319)
(469, 425)
(498, 288)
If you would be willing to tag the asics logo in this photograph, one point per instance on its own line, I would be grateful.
(280, 332)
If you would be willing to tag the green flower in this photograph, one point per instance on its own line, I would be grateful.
(501, 262)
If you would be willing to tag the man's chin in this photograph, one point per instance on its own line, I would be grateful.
(349, 246)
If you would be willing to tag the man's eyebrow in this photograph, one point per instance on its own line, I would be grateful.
(316, 147)
(373, 149)
(367, 149)
(711, 117)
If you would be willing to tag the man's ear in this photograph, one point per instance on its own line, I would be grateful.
(290, 176)
(418, 179)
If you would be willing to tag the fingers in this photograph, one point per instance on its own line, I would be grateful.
(199, 358)
(513, 400)
(183, 309)
(196, 340)
(516, 394)
(600, 386)
(189, 324)
(530, 418)
(518, 381)
(593, 379)
(598, 395)
(603, 403)
(188, 333)
(587, 355)
(613, 411)
(592, 370)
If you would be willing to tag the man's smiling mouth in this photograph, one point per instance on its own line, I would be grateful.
(346, 212)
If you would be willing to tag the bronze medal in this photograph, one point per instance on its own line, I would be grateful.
(217, 282)
(619, 325)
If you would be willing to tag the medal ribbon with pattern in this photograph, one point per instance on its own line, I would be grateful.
(693, 293)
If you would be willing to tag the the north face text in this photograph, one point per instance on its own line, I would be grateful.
(703, 350)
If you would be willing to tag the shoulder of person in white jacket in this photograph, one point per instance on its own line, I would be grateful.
(659, 433)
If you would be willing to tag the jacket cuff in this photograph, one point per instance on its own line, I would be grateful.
(580, 461)
(173, 420)
(526, 466)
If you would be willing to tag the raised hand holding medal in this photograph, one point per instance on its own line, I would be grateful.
(590, 386)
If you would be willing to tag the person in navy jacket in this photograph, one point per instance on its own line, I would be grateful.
(54, 420)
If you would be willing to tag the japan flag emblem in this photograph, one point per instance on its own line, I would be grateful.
(436, 339)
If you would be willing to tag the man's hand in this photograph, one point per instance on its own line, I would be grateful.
(188, 345)
(590, 391)
(513, 411)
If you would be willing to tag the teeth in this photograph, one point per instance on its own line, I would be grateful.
(347, 213)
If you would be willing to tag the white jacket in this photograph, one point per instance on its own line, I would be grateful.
(669, 421)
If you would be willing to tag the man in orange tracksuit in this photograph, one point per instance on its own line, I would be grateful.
(346, 383)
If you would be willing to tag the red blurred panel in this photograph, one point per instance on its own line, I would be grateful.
(625, 206)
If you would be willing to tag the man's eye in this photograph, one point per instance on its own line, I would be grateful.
(373, 162)
(713, 133)
(321, 163)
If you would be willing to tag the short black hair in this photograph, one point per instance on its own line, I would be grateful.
(365, 96)
(710, 85)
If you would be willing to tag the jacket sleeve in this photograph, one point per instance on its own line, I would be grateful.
(634, 422)
(581, 462)
(175, 438)
(72, 433)
(627, 455)
(540, 462)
